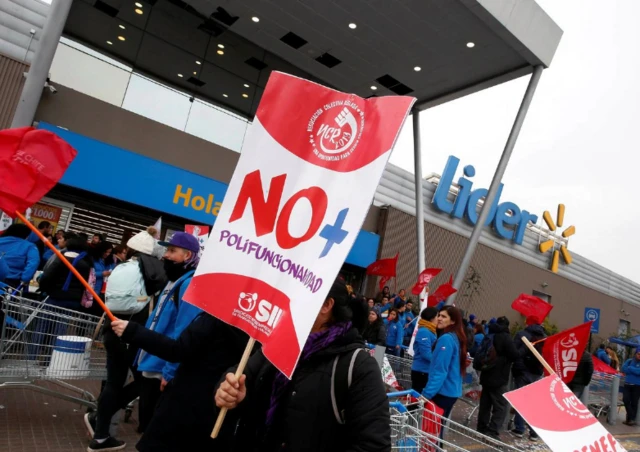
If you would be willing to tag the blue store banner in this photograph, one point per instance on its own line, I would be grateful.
(146, 182)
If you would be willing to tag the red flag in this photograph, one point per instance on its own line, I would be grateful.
(530, 306)
(383, 281)
(563, 350)
(600, 366)
(424, 279)
(440, 294)
(383, 267)
(31, 163)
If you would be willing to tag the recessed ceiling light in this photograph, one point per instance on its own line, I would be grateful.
(352, 26)
(255, 19)
(224, 95)
(139, 11)
(374, 87)
(221, 46)
(195, 73)
(246, 86)
(180, 75)
(110, 43)
(245, 95)
(417, 68)
(122, 26)
(139, 5)
(220, 52)
(121, 38)
(198, 62)
(471, 45)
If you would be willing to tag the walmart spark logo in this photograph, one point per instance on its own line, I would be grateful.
(554, 240)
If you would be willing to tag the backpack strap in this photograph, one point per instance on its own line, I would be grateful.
(175, 290)
(341, 377)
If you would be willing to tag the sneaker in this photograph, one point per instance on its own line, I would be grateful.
(629, 423)
(534, 439)
(90, 422)
(516, 433)
(110, 444)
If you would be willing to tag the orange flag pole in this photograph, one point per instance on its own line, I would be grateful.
(69, 265)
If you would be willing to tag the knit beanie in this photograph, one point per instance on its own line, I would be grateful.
(144, 242)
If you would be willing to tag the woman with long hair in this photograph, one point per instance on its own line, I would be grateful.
(448, 364)
(374, 332)
(395, 333)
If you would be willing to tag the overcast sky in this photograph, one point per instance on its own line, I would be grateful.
(579, 141)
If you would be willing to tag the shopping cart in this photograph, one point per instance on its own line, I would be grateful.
(401, 368)
(600, 393)
(471, 391)
(43, 343)
(415, 427)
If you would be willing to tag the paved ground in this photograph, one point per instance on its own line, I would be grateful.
(34, 422)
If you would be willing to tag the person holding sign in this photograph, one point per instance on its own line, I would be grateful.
(317, 410)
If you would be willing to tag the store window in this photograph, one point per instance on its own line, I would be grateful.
(543, 296)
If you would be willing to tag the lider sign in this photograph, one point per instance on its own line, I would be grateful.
(508, 220)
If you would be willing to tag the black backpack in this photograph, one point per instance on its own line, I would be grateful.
(486, 356)
(341, 377)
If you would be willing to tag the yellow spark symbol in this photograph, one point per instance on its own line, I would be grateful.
(548, 244)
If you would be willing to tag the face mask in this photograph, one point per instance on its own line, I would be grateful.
(174, 270)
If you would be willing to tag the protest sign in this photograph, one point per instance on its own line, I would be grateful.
(199, 232)
(291, 213)
(564, 350)
(560, 418)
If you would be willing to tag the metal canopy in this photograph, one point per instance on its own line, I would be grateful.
(313, 39)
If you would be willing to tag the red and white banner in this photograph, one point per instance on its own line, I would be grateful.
(560, 418)
(563, 350)
(292, 212)
(199, 232)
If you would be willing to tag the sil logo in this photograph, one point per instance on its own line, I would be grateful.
(555, 242)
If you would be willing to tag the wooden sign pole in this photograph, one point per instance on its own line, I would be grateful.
(538, 356)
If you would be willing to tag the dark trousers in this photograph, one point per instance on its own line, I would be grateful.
(518, 421)
(630, 396)
(446, 403)
(493, 410)
(419, 380)
(149, 396)
(116, 395)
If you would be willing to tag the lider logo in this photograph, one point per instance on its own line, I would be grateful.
(553, 239)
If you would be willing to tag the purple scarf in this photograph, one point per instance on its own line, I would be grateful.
(315, 342)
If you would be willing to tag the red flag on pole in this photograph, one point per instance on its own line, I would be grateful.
(31, 163)
(383, 281)
(384, 267)
(440, 294)
(563, 350)
(424, 279)
(602, 367)
(530, 306)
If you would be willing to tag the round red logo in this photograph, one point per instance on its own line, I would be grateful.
(335, 130)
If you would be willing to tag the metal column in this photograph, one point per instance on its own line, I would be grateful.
(417, 162)
(39, 70)
(497, 179)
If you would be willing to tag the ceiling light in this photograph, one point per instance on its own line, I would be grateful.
(220, 52)
(352, 26)
(195, 73)
(255, 19)
(110, 43)
(471, 45)
(221, 46)
(121, 38)
(417, 68)
(139, 11)
(198, 62)
(139, 5)
(180, 75)
(245, 95)
(374, 87)
(246, 86)
(122, 26)
(224, 95)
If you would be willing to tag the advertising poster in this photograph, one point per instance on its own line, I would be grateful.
(40, 212)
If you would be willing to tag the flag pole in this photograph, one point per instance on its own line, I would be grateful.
(243, 363)
(75, 272)
(538, 356)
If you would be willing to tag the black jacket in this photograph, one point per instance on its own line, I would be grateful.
(305, 420)
(53, 279)
(375, 333)
(506, 354)
(155, 278)
(527, 363)
(186, 412)
(584, 372)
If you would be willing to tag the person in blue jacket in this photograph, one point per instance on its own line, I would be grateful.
(4, 269)
(395, 333)
(423, 349)
(631, 393)
(103, 264)
(21, 256)
(602, 355)
(448, 363)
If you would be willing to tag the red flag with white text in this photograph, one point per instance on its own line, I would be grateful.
(384, 267)
(424, 279)
(563, 350)
(531, 306)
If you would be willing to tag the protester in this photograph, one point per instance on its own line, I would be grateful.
(631, 392)
(582, 378)
(60, 240)
(472, 321)
(306, 413)
(103, 264)
(384, 294)
(120, 357)
(395, 333)
(410, 323)
(371, 303)
(613, 356)
(527, 369)
(423, 349)
(400, 298)
(46, 229)
(20, 256)
(448, 364)
(375, 332)
(478, 336)
(385, 307)
(119, 254)
(493, 360)
(602, 355)
(4, 271)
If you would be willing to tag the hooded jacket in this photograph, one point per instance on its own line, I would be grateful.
(305, 420)
(506, 354)
(53, 280)
(20, 256)
(526, 362)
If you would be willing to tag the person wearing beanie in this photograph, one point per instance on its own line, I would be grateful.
(423, 348)
(472, 321)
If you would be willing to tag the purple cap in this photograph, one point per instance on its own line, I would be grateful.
(183, 240)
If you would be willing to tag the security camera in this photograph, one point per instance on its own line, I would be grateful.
(52, 89)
